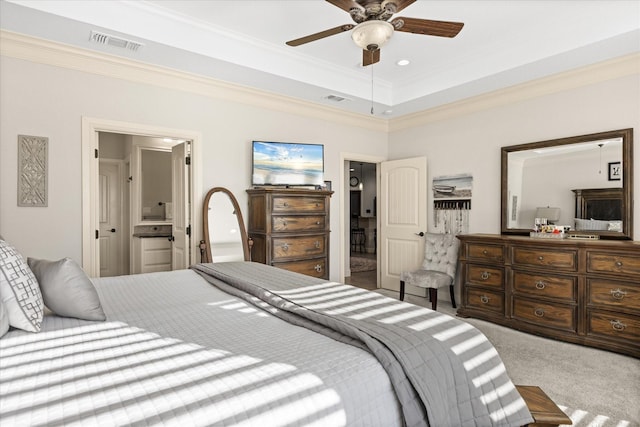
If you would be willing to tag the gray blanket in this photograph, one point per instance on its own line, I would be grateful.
(444, 371)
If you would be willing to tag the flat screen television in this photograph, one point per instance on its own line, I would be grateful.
(287, 164)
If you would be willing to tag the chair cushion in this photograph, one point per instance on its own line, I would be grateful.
(426, 278)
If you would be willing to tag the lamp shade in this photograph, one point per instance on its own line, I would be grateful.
(371, 35)
(551, 214)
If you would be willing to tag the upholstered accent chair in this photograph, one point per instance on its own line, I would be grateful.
(438, 268)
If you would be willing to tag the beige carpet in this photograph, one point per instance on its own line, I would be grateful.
(595, 388)
(359, 264)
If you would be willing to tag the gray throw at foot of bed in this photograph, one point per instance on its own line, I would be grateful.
(444, 371)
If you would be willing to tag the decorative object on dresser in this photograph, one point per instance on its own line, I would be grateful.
(290, 229)
(547, 173)
(581, 291)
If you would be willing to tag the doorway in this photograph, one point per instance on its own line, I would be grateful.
(362, 225)
(91, 245)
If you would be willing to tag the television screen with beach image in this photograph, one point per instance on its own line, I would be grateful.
(288, 164)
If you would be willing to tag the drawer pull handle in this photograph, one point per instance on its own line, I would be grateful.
(317, 244)
(485, 252)
(317, 204)
(618, 293)
(285, 247)
(540, 285)
(484, 299)
(485, 275)
(539, 312)
(284, 224)
(318, 268)
(286, 204)
(618, 263)
(540, 258)
(618, 325)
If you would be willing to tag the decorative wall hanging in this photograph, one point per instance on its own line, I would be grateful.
(452, 203)
(32, 170)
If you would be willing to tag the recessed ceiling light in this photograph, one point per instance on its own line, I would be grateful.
(403, 62)
(387, 112)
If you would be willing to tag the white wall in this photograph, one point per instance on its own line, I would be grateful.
(470, 142)
(50, 101)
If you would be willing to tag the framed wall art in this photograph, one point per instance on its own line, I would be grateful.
(32, 170)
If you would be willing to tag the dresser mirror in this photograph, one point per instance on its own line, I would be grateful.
(225, 238)
(584, 182)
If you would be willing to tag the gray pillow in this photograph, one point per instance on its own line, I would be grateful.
(66, 289)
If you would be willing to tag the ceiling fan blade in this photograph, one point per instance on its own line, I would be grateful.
(345, 5)
(401, 4)
(427, 26)
(320, 35)
(370, 57)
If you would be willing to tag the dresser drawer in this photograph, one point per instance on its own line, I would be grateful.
(545, 258)
(613, 325)
(311, 267)
(542, 285)
(296, 246)
(598, 262)
(306, 204)
(611, 293)
(485, 276)
(298, 223)
(485, 300)
(545, 314)
(484, 252)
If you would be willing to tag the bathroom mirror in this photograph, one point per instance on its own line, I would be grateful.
(225, 237)
(155, 184)
(586, 180)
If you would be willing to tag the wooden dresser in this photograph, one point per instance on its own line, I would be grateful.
(290, 229)
(584, 292)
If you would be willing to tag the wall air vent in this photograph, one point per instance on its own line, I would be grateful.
(336, 98)
(108, 39)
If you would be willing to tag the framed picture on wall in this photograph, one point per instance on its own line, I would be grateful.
(615, 171)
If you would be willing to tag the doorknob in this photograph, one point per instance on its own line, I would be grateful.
(113, 230)
(171, 238)
(421, 234)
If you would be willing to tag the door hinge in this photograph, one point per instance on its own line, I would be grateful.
(97, 234)
(187, 160)
(96, 153)
(188, 230)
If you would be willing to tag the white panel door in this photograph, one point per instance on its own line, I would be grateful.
(180, 191)
(403, 216)
(110, 220)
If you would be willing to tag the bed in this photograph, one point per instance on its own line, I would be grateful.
(242, 343)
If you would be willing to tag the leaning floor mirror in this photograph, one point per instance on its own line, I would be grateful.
(225, 237)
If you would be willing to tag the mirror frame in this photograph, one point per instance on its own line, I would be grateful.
(627, 179)
(205, 246)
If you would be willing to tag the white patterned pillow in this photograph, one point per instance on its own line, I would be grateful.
(4, 319)
(19, 290)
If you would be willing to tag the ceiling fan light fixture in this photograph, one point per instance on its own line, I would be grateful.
(371, 35)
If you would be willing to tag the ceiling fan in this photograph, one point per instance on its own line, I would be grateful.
(373, 28)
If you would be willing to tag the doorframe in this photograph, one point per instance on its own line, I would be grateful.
(345, 242)
(90, 181)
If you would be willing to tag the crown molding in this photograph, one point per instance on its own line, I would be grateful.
(47, 52)
(607, 70)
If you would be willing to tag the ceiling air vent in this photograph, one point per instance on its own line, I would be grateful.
(336, 98)
(108, 39)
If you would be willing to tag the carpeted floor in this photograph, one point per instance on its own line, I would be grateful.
(595, 388)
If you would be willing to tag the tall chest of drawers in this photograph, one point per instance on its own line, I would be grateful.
(585, 292)
(290, 229)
